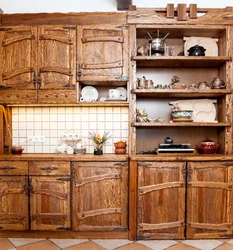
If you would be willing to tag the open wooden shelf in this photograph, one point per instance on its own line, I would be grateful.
(180, 92)
(180, 61)
(181, 124)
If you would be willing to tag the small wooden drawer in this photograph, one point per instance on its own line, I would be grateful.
(13, 168)
(49, 168)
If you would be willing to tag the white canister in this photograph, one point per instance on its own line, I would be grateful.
(70, 150)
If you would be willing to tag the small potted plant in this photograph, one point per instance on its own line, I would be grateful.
(175, 83)
(99, 140)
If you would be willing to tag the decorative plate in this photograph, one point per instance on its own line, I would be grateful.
(89, 94)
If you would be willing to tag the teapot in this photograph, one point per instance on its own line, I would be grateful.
(218, 83)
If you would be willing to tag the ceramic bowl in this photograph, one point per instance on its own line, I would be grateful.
(17, 150)
(182, 114)
(207, 150)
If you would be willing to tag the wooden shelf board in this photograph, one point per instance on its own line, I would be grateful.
(181, 124)
(180, 93)
(180, 61)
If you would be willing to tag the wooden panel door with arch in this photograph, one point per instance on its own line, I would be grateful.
(209, 200)
(161, 200)
(18, 64)
(100, 196)
(102, 53)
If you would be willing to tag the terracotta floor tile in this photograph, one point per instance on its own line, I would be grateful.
(158, 244)
(5, 244)
(112, 244)
(181, 246)
(63, 243)
(17, 242)
(133, 246)
(225, 246)
(42, 245)
(85, 246)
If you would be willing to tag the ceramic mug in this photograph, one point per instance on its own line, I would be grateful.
(114, 94)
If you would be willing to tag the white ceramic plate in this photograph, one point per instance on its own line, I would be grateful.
(123, 92)
(89, 94)
(115, 99)
(208, 43)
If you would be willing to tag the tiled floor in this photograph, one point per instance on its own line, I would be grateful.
(82, 244)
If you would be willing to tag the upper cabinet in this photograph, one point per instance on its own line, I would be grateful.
(37, 61)
(102, 53)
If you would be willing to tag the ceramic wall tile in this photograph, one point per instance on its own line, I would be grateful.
(52, 122)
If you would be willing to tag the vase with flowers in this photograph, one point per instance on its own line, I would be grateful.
(99, 140)
(175, 83)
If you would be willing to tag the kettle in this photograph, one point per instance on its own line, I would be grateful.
(218, 83)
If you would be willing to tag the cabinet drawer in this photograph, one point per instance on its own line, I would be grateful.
(49, 168)
(13, 168)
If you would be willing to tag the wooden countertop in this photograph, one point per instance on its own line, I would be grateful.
(182, 157)
(64, 157)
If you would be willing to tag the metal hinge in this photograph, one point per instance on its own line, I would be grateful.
(143, 237)
(228, 164)
(122, 27)
(70, 27)
(63, 179)
(5, 29)
(122, 78)
(64, 228)
(144, 164)
(123, 164)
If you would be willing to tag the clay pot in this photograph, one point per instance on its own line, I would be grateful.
(120, 145)
(120, 151)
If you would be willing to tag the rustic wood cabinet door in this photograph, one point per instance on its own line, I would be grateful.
(161, 200)
(56, 64)
(102, 53)
(14, 203)
(50, 203)
(100, 195)
(209, 199)
(18, 64)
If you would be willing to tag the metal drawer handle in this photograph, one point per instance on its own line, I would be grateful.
(48, 169)
(7, 168)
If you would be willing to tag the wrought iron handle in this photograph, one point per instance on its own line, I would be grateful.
(48, 169)
(7, 168)
(39, 80)
(189, 172)
(34, 80)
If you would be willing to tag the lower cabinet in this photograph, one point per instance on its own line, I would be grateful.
(184, 200)
(49, 184)
(161, 200)
(100, 196)
(14, 212)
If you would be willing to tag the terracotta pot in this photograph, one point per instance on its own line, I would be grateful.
(120, 151)
(120, 144)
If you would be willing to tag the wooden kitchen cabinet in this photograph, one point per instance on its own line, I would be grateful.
(209, 199)
(161, 200)
(102, 53)
(100, 196)
(38, 64)
(14, 212)
(49, 184)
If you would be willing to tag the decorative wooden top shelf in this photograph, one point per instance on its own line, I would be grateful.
(180, 93)
(181, 124)
(180, 61)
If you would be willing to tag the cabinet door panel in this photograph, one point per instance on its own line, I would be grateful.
(161, 200)
(103, 53)
(209, 200)
(50, 203)
(56, 57)
(18, 57)
(13, 203)
(100, 196)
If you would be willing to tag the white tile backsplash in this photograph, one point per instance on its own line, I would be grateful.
(52, 122)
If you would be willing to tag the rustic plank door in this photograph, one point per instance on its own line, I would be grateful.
(14, 203)
(50, 203)
(18, 64)
(102, 53)
(100, 196)
(209, 200)
(161, 200)
(56, 64)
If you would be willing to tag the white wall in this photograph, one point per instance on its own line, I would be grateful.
(35, 6)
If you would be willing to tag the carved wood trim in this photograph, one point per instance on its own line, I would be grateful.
(148, 227)
(102, 177)
(19, 38)
(223, 226)
(57, 38)
(205, 184)
(68, 72)
(147, 189)
(13, 73)
(117, 64)
(62, 196)
(10, 216)
(118, 39)
(97, 212)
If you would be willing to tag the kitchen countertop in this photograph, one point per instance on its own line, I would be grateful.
(64, 157)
